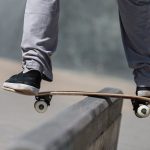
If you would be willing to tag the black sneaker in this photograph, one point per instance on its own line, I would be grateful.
(26, 83)
(143, 91)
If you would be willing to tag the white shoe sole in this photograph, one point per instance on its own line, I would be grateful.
(22, 88)
(145, 93)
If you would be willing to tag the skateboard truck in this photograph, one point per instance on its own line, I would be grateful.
(141, 108)
(42, 103)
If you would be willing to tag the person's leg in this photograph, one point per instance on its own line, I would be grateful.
(40, 35)
(135, 27)
(39, 41)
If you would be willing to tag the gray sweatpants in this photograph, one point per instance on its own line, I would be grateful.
(41, 33)
(135, 27)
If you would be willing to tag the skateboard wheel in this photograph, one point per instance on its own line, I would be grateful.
(143, 111)
(40, 106)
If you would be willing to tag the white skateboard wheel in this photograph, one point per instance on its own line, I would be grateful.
(143, 111)
(40, 106)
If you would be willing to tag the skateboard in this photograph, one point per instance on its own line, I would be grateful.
(43, 99)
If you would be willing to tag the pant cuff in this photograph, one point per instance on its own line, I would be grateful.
(34, 65)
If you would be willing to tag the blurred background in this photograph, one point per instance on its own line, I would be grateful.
(89, 57)
(89, 36)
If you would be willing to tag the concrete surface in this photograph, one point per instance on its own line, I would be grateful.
(17, 114)
(91, 124)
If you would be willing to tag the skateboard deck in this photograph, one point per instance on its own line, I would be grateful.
(43, 99)
(83, 93)
(93, 94)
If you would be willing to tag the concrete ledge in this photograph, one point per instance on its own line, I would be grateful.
(91, 124)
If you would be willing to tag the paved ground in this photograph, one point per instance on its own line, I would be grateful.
(18, 116)
(134, 133)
